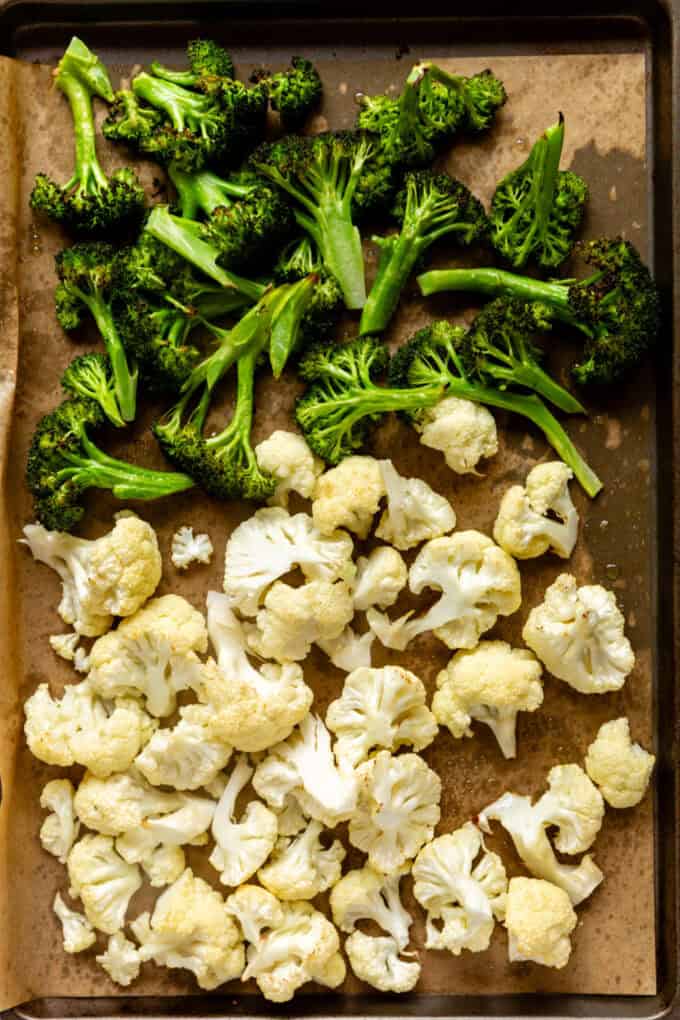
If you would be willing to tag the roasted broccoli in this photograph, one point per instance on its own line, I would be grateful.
(209, 64)
(90, 204)
(90, 376)
(617, 307)
(298, 260)
(293, 93)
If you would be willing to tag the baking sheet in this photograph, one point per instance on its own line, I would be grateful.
(603, 99)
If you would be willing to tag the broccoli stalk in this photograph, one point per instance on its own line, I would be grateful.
(430, 206)
(90, 376)
(617, 308)
(205, 191)
(208, 63)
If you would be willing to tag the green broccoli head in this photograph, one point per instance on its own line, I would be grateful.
(430, 356)
(293, 93)
(89, 376)
(131, 122)
(484, 96)
(297, 259)
(156, 334)
(88, 271)
(435, 204)
(248, 231)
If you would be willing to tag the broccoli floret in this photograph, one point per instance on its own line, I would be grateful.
(88, 275)
(90, 376)
(90, 203)
(293, 93)
(617, 307)
(63, 463)
(429, 206)
(298, 260)
(208, 65)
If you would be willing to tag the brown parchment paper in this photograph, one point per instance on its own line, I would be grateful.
(603, 99)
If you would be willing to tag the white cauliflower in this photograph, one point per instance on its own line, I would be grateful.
(188, 548)
(397, 809)
(120, 802)
(375, 960)
(151, 654)
(164, 865)
(415, 513)
(578, 635)
(187, 825)
(252, 708)
(121, 961)
(81, 660)
(191, 928)
(60, 829)
(292, 619)
(103, 881)
(365, 894)
(286, 456)
(291, 819)
(269, 544)
(462, 430)
(65, 645)
(186, 756)
(77, 932)
(111, 576)
(539, 918)
(380, 708)
(466, 898)
(304, 765)
(301, 867)
(241, 847)
(479, 582)
(490, 684)
(348, 496)
(539, 515)
(256, 910)
(619, 767)
(350, 650)
(381, 576)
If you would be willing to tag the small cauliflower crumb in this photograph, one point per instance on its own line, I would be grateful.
(619, 767)
(65, 645)
(539, 919)
(188, 548)
(463, 431)
(78, 933)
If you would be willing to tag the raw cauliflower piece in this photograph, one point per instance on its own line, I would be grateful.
(300, 868)
(188, 548)
(380, 708)
(397, 809)
(462, 430)
(467, 898)
(241, 847)
(120, 802)
(269, 544)
(187, 825)
(490, 684)
(577, 633)
(523, 527)
(350, 650)
(619, 767)
(65, 645)
(294, 618)
(103, 881)
(191, 928)
(304, 765)
(121, 961)
(186, 756)
(60, 829)
(252, 708)
(479, 582)
(111, 576)
(81, 660)
(291, 819)
(415, 513)
(151, 654)
(255, 909)
(164, 865)
(539, 918)
(381, 576)
(375, 960)
(348, 496)
(77, 932)
(286, 456)
(365, 894)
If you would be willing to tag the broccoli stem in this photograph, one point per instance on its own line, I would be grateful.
(126, 481)
(88, 175)
(179, 104)
(124, 379)
(534, 378)
(339, 243)
(204, 191)
(242, 418)
(285, 332)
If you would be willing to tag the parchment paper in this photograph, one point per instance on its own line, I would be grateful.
(603, 99)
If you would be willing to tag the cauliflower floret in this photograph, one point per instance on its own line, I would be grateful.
(415, 512)
(523, 527)
(191, 928)
(380, 708)
(65, 645)
(466, 897)
(539, 919)
(304, 765)
(380, 577)
(111, 576)
(619, 767)
(60, 829)
(294, 618)
(77, 932)
(491, 684)
(269, 544)
(574, 806)
(462, 430)
(188, 755)
(255, 909)
(479, 582)
(81, 660)
(578, 635)
(103, 881)
(291, 818)
(121, 961)
(153, 654)
(286, 456)
(350, 650)
(375, 960)
(397, 809)
(188, 825)
(348, 496)
(301, 868)
(120, 802)
(366, 895)
(188, 548)
(241, 847)
(164, 865)
(252, 708)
